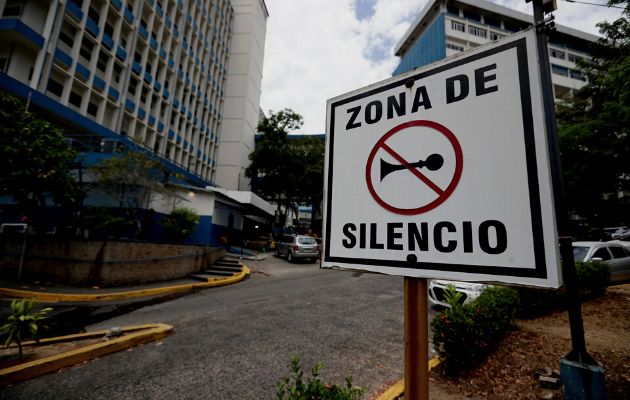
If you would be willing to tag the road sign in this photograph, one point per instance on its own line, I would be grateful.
(444, 172)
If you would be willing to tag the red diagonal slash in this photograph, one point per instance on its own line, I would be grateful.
(413, 170)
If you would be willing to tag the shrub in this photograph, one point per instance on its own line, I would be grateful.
(180, 224)
(23, 323)
(293, 387)
(592, 279)
(464, 334)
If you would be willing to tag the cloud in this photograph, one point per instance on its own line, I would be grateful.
(317, 50)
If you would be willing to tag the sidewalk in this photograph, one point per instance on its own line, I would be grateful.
(53, 293)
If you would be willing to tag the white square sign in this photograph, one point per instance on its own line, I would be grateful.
(444, 172)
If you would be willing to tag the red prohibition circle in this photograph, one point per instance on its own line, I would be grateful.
(444, 194)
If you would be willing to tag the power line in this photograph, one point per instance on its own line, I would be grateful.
(594, 4)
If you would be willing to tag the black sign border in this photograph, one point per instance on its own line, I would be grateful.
(540, 270)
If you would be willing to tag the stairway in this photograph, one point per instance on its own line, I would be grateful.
(225, 267)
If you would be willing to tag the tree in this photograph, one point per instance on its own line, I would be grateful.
(283, 170)
(180, 224)
(24, 323)
(594, 128)
(35, 161)
(133, 180)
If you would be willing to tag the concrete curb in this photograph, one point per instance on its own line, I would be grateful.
(164, 290)
(137, 334)
(398, 388)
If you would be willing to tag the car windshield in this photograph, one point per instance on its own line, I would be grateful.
(306, 240)
(579, 252)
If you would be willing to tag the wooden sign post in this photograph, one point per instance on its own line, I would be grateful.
(416, 339)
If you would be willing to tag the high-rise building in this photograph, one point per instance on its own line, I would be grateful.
(157, 75)
(242, 93)
(444, 28)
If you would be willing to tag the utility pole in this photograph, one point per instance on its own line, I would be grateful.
(581, 375)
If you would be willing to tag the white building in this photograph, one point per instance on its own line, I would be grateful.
(444, 28)
(160, 75)
(176, 79)
(242, 93)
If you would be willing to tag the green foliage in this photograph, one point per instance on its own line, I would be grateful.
(284, 170)
(592, 279)
(293, 387)
(465, 334)
(24, 323)
(133, 180)
(35, 160)
(180, 224)
(594, 128)
(106, 220)
(452, 297)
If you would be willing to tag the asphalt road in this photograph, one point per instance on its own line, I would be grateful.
(234, 342)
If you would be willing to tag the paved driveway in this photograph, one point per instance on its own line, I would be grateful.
(234, 342)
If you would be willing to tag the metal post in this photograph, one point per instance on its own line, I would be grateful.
(416, 340)
(578, 353)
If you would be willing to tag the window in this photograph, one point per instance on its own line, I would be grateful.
(475, 31)
(495, 36)
(94, 15)
(101, 64)
(602, 253)
(137, 57)
(67, 35)
(511, 27)
(108, 29)
(13, 9)
(575, 74)
(133, 83)
(86, 49)
(117, 72)
(472, 15)
(55, 87)
(452, 10)
(143, 94)
(492, 22)
(558, 70)
(455, 47)
(555, 53)
(92, 109)
(618, 252)
(75, 99)
(4, 63)
(458, 26)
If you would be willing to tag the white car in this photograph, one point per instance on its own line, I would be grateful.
(612, 253)
(469, 291)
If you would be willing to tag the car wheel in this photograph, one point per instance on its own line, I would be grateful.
(290, 257)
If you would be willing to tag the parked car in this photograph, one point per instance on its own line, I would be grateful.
(612, 253)
(469, 291)
(297, 246)
(618, 232)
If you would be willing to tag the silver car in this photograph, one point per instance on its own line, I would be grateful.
(613, 254)
(297, 246)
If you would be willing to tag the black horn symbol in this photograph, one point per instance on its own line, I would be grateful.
(432, 163)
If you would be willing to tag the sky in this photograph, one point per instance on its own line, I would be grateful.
(319, 49)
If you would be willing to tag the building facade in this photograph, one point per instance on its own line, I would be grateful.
(143, 74)
(242, 94)
(165, 77)
(445, 28)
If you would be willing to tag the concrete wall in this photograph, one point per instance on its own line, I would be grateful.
(104, 263)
